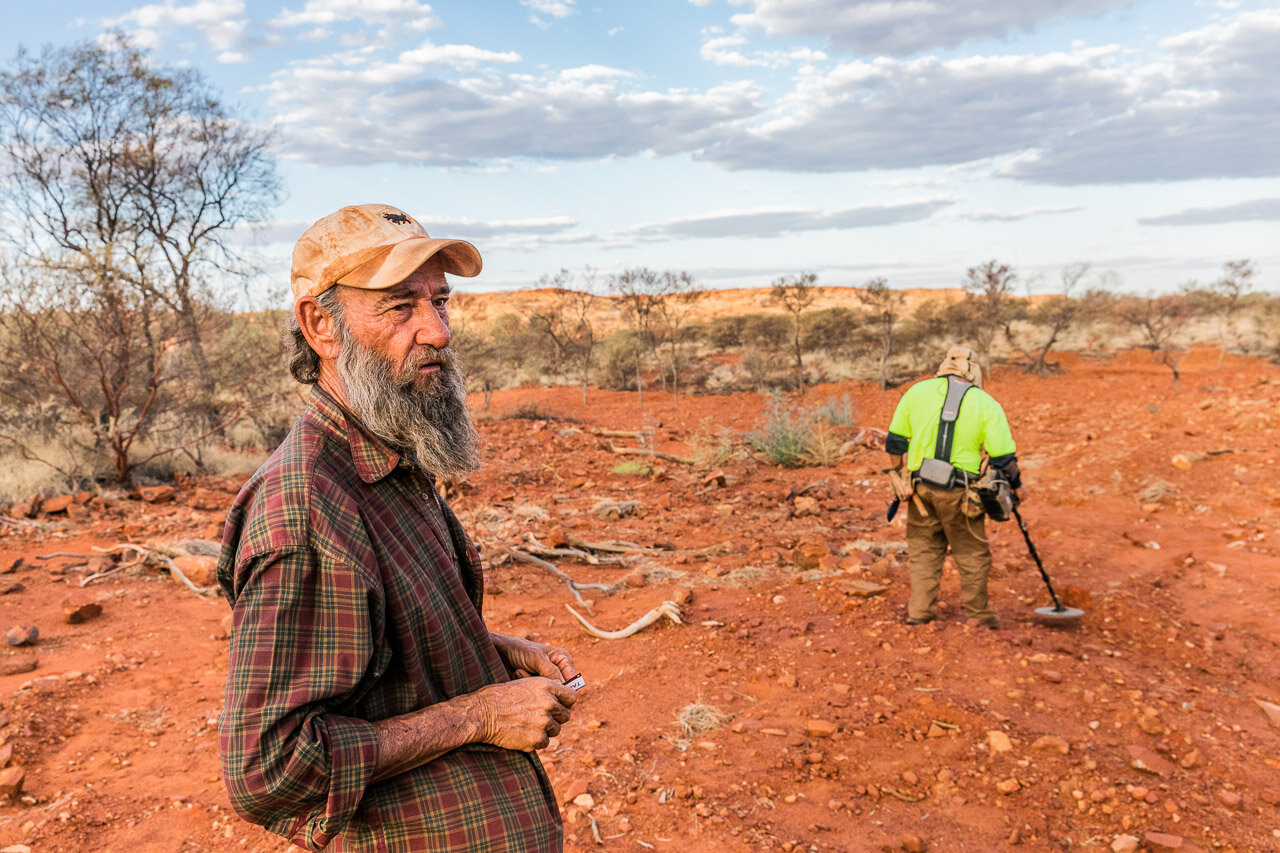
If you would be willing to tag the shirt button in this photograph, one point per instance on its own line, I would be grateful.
(426, 497)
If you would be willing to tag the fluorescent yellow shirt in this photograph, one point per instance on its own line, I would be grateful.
(980, 425)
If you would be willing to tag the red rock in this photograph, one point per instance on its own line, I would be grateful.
(22, 635)
(683, 595)
(1160, 841)
(573, 790)
(912, 844)
(10, 588)
(201, 571)
(1051, 743)
(1229, 799)
(808, 554)
(11, 781)
(20, 510)
(77, 608)
(821, 728)
(1051, 675)
(58, 504)
(6, 754)
(635, 579)
(1142, 758)
(76, 512)
(83, 498)
(18, 662)
(157, 494)
(8, 567)
(558, 538)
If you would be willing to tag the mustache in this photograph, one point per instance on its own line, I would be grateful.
(445, 357)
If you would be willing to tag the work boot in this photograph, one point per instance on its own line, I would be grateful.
(918, 620)
(989, 622)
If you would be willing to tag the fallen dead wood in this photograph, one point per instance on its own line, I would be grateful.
(669, 609)
(642, 451)
(619, 433)
(574, 586)
(575, 552)
(722, 548)
(611, 547)
(133, 556)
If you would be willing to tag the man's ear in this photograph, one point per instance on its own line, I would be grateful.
(317, 327)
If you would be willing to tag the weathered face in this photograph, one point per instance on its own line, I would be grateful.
(400, 376)
(407, 324)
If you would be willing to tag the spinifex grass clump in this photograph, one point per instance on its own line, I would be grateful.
(796, 439)
(784, 436)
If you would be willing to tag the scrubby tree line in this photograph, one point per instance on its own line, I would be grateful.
(875, 337)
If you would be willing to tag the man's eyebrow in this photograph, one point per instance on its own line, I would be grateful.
(399, 291)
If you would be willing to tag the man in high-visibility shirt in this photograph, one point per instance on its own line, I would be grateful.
(936, 508)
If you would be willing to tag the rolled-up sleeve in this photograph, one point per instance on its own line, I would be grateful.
(300, 651)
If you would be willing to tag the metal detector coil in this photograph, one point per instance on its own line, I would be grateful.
(1057, 614)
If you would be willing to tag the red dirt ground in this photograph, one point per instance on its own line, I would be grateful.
(850, 730)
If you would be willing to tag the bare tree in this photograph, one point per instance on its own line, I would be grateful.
(989, 303)
(1162, 322)
(1057, 313)
(567, 321)
(675, 310)
(124, 182)
(795, 293)
(1229, 290)
(656, 304)
(885, 306)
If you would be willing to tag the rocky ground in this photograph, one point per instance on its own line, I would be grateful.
(791, 708)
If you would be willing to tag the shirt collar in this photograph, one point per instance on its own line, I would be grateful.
(373, 460)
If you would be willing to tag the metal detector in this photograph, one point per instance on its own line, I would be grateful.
(1057, 614)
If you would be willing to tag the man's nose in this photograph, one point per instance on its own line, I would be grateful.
(433, 330)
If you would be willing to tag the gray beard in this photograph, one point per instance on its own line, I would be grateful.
(424, 417)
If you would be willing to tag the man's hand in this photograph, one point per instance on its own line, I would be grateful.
(525, 658)
(1022, 494)
(523, 715)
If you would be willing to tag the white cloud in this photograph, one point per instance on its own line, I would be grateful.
(353, 108)
(1015, 215)
(781, 222)
(221, 22)
(328, 12)
(542, 9)
(903, 27)
(894, 114)
(1256, 210)
(1209, 110)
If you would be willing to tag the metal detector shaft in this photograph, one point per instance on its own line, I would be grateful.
(1057, 605)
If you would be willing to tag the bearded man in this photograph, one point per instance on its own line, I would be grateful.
(368, 707)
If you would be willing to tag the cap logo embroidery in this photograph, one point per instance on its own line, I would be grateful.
(397, 218)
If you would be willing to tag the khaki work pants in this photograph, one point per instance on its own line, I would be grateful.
(928, 537)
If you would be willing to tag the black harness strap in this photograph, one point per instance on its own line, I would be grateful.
(956, 389)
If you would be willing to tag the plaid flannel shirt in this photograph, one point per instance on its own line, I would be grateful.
(356, 597)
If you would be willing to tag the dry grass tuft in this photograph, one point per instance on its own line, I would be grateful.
(696, 720)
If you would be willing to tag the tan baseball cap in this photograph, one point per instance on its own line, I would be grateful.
(371, 246)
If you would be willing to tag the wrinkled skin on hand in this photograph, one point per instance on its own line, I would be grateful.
(525, 658)
(523, 714)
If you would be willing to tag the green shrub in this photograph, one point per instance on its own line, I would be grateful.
(784, 434)
(837, 412)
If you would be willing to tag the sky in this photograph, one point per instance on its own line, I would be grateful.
(745, 140)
